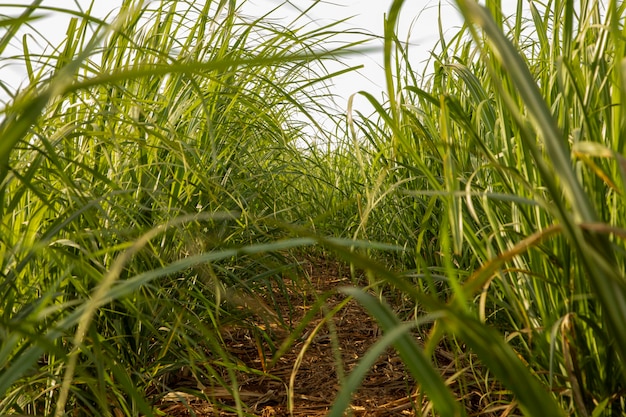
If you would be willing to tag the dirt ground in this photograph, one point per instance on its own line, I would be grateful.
(307, 372)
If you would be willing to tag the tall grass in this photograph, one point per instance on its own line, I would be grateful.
(140, 166)
(157, 168)
(504, 176)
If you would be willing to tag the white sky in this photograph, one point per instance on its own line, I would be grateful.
(419, 15)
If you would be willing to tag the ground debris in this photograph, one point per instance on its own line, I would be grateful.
(307, 373)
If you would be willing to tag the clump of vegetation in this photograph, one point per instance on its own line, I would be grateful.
(158, 183)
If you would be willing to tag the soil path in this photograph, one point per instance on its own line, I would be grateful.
(307, 373)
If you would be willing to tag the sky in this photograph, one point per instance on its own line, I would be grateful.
(418, 17)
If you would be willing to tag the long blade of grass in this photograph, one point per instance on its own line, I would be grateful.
(415, 359)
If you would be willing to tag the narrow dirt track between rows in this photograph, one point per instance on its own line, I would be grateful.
(311, 362)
